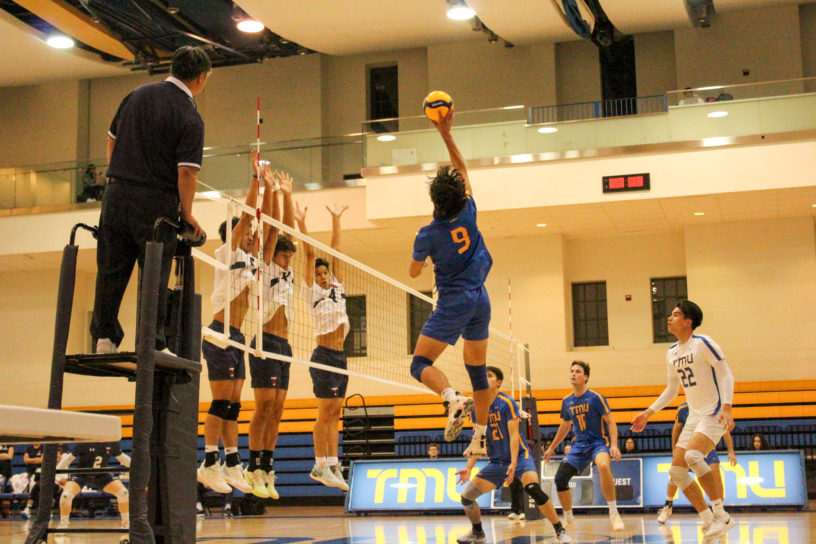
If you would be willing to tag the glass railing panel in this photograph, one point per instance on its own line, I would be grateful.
(743, 91)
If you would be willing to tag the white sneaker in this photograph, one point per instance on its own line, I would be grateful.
(472, 538)
(63, 524)
(617, 522)
(212, 478)
(569, 517)
(337, 472)
(719, 527)
(105, 345)
(512, 516)
(26, 513)
(257, 481)
(125, 524)
(664, 514)
(563, 537)
(323, 475)
(235, 477)
(200, 513)
(270, 484)
(458, 410)
(477, 447)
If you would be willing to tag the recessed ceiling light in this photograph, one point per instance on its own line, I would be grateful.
(715, 114)
(460, 12)
(813, 205)
(699, 213)
(58, 41)
(547, 130)
(386, 138)
(541, 224)
(250, 26)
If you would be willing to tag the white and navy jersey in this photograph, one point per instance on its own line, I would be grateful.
(241, 272)
(329, 307)
(692, 363)
(95, 454)
(279, 288)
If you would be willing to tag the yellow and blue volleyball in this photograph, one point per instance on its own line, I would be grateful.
(436, 105)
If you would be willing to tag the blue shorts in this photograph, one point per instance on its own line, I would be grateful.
(496, 473)
(583, 453)
(712, 457)
(270, 373)
(224, 364)
(459, 313)
(329, 385)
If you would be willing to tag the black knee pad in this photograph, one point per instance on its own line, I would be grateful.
(564, 475)
(234, 410)
(219, 408)
(535, 491)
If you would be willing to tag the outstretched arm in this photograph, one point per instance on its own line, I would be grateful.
(251, 202)
(672, 388)
(337, 264)
(287, 185)
(308, 272)
(270, 207)
(458, 162)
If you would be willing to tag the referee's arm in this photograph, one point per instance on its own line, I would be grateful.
(186, 190)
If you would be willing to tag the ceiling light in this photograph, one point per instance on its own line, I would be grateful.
(813, 205)
(59, 41)
(699, 213)
(250, 26)
(547, 130)
(541, 224)
(459, 11)
(716, 114)
(386, 138)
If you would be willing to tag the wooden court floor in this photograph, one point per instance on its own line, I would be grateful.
(329, 525)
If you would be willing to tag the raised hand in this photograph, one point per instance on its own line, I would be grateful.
(256, 157)
(338, 210)
(285, 182)
(300, 213)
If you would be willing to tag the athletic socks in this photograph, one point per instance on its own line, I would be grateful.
(254, 460)
(669, 501)
(477, 529)
(267, 460)
(232, 457)
(613, 508)
(707, 516)
(448, 394)
(717, 507)
(479, 429)
(331, 461)
(211, 456)
(558, 527)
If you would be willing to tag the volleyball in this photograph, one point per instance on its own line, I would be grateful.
(436, 105)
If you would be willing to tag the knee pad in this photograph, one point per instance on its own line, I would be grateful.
(478, 376)
(122, 496)
(538, 495)
(696, 462)
(469, 496)
(680, 477)
(418, 364)
(219, 408)
(564, 475)
(67, 498)
(234, 410)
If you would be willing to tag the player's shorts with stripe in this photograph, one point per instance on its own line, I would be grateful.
(464, 313)
(96, 481)
(583, 453)
(270, 373)
(712, 457)
(329, 385)
(705, 424)
(496, 473)
(224, 364)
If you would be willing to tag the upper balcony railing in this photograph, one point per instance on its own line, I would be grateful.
(707, 115)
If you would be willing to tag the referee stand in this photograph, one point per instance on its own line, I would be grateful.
(165, 417)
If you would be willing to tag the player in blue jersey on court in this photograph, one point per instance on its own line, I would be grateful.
(461, 264)
(510, 458)
(596, 439)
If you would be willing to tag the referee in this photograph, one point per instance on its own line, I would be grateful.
(155, 145)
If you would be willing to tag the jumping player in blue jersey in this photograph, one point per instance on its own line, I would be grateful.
(596, 439)
(461, 264)
(510, 458)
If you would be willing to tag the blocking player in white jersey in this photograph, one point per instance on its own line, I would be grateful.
(698, 363)
(327, 300)
(270, 377)
(225, 365)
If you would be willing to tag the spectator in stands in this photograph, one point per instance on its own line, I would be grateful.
(630, 446)
(6, 455)
(690, 97)
(93, 185)
(759, 442)
(32, 459)
(433, 450)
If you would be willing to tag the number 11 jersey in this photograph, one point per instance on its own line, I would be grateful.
(586, 413)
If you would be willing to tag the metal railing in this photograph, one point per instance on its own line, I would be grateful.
(598, 109)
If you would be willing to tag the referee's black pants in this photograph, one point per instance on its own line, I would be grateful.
(125, 226)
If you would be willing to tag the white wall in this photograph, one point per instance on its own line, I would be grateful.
(655, 63)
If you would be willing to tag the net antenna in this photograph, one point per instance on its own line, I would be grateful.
(515, 352)
(259, 240)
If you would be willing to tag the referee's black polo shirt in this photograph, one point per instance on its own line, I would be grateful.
(156, 130)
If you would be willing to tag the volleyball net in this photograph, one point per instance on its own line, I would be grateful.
(384, 316)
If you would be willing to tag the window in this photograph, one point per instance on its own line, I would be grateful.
(590, 326)
(666, 293)
(383, 97)
(418, 312)
(356, 342)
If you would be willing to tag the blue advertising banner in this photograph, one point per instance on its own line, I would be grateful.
(409, 484)
(760, 478)
(586, 487)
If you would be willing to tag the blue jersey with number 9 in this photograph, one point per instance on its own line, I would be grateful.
(456, 247)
